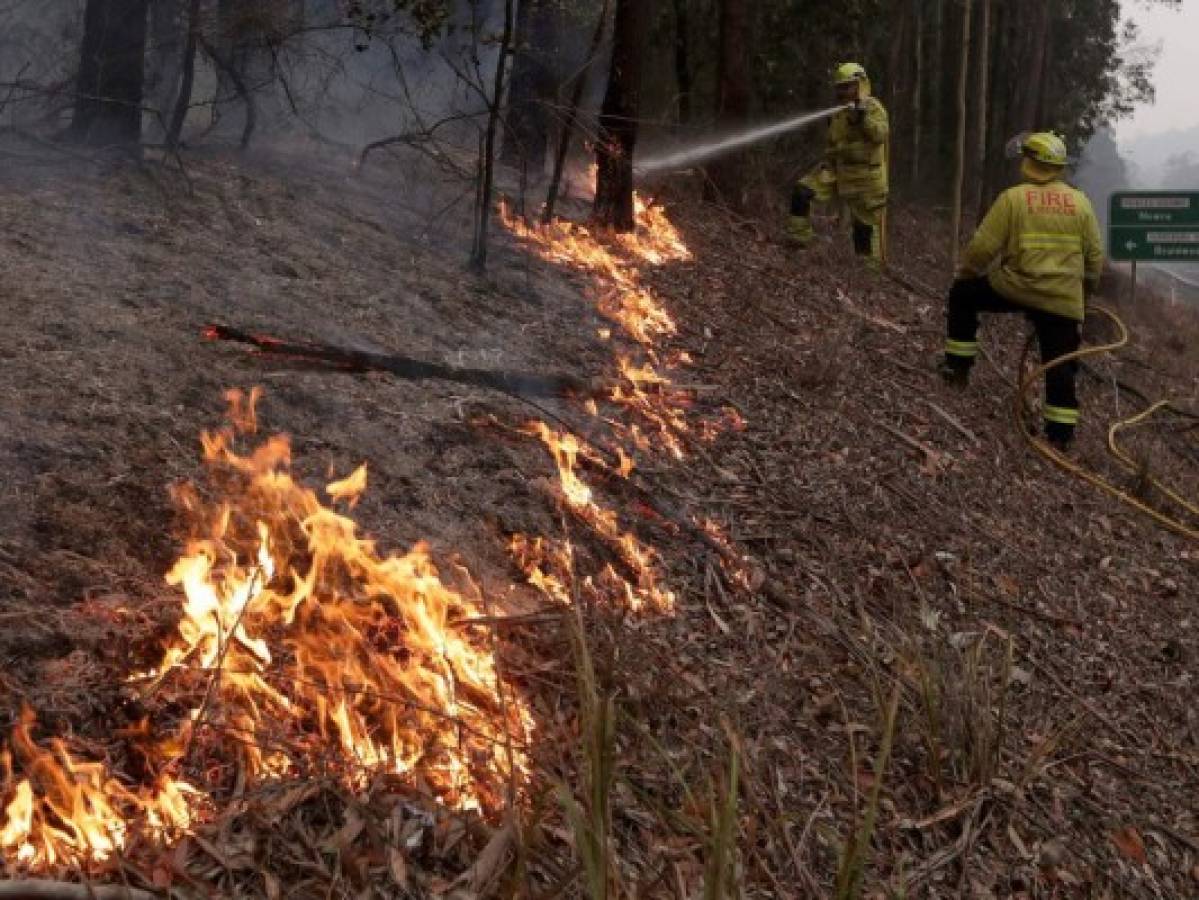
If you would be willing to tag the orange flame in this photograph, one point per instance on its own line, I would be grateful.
(297, 637)
(366, 653)
(64, 810)
(630, 304)
(640, 559)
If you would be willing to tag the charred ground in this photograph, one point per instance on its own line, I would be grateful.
(886, 531)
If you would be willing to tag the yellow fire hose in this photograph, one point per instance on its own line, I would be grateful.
(1069, 465)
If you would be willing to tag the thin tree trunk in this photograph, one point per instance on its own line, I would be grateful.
(231, 71)
(531, 90)
(734, 95)
(897, 75)
(1044, 76)
(183, 101)
(108, 104)
(478, 256)
(572, 115)
(682, 61)
(1004, 62)
(165, 59)
(937, 131)
(618, 122)
(918, 92)
(959, 175)
(982, 102)
(1031, 86)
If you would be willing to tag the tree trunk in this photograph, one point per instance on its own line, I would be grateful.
(1030, 87)
(531, 91)
(618, 121)
(1005, 65)
(982, 102)
(572, 114)
(478, 255)
(682, 61)
(939, 81)
(918, 91)
(897, 76)
(108, 104)
(959, 175)
(1044, 71)
(165, 54)
(733, 97)
(184, 99)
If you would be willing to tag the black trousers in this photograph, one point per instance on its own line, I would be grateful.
(1056, 335)
(863, 234)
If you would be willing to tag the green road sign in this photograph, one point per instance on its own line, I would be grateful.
(1154, 225)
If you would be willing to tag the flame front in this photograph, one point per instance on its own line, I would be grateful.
(623, 297)
(641, 589)
(658, 410)
(301, 649)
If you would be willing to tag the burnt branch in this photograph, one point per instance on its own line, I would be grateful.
(346, 360)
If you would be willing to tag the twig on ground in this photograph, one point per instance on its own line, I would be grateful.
(41, 889)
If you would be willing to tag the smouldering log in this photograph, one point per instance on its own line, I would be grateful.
(522, 384)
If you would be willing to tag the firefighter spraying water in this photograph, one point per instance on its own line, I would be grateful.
(854, 170)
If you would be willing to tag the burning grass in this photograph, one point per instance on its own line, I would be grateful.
(302, 650)
(867, 567)
(641, 589)
(616, 263)
(655, 412)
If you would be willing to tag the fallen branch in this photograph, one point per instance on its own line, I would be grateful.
(961, 429)
(346, 360)
(849, 305)
(58, 890)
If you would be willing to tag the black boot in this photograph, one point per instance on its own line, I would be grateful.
(1059, 436)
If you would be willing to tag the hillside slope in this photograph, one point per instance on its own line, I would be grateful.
(811, 520)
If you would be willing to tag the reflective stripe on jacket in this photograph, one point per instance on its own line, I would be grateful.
(1046, 240)
(857, 152)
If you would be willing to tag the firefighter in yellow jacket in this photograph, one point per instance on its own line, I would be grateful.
(1037, 252)
(854, 170)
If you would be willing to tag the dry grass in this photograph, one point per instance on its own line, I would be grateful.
(1036, 630)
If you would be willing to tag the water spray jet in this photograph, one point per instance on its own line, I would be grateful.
(684, 158)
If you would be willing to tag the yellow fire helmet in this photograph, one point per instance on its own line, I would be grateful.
(849, 72)
(1043, 147)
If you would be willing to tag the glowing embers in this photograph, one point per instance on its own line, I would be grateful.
(301, 650)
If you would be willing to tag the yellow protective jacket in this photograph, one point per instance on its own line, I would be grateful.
(1037, 245)
(857, 153)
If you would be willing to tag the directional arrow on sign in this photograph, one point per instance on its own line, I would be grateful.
(1131, 245)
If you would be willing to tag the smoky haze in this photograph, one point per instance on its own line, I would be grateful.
(1157, 139)
(319, 77)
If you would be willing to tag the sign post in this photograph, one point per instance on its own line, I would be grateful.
(1156, 226)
